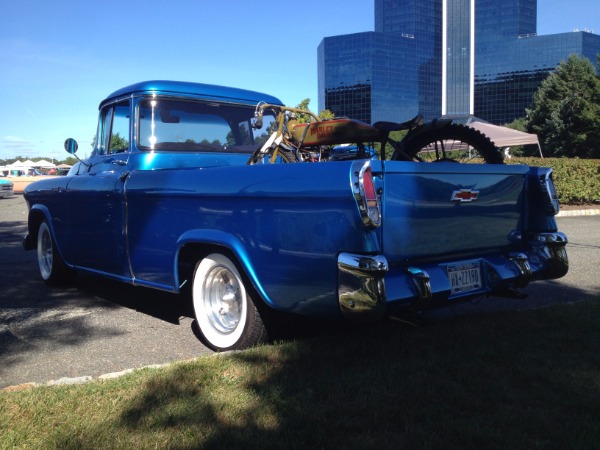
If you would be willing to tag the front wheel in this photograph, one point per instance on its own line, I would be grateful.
(52, 268)
(452, 143)
(274, 155)
(225, 311)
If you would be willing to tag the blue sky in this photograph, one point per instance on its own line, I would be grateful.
(59, 59)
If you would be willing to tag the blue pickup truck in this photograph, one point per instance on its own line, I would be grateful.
(173, 196)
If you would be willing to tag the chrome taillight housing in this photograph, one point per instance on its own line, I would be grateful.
(367, 194)
(549, 189)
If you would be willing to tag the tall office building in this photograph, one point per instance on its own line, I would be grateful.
(458, 71)
(511, 59)
(389, 74)
(444, 57)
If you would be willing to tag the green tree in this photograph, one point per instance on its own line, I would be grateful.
(520, 124)
(70, 160)
(566, 111)
(326, 115)
(303, 118)
(118, 143)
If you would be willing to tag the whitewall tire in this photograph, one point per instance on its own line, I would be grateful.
(52, 268)
(226, 314)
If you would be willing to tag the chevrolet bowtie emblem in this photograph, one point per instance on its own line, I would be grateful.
(464, 196)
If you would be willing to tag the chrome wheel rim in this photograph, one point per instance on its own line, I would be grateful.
(223, 299)
(45, 253)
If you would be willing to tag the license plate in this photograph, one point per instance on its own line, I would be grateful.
(464, 277)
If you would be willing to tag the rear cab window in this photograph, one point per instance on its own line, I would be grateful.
(178, 125)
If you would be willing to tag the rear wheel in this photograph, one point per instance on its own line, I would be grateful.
(453, 143)
(52, 268)
(226, 314)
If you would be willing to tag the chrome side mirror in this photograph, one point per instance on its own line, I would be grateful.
(71, 146)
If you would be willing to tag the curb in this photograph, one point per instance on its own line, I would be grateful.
(107, 376)
(579, 212)
(66, 381)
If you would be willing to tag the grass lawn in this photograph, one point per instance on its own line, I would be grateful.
(517, 380)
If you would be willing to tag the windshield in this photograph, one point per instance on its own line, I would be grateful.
(179, 125)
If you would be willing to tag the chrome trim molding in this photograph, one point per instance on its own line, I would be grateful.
(421, 281)
(556, 239)
(358, 189)
(361, 286)
(550, 248)
(522, 263)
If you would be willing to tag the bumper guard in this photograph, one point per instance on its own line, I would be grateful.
(361, 288)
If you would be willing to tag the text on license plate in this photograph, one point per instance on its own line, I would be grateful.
(465, 276)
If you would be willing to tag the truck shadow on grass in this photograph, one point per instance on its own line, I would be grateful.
(505, 380)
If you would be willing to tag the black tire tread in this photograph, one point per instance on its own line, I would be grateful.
(482, 143)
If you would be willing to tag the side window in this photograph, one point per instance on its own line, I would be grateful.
(119, 137)
(113, 129)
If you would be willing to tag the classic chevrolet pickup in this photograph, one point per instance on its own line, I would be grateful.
(174, 195)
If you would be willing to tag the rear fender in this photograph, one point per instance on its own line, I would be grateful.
(216, 238)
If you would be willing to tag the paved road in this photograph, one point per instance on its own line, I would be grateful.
(94, 327)
(98, 326)
(582, 281)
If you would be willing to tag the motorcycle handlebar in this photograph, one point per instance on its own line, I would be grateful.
(279, 110)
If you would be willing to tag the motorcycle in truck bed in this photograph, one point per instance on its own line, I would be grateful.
(257, 207)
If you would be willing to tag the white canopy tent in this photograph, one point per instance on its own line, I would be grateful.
(44, 164)
(504, 137)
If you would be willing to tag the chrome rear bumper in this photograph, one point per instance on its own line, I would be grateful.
(361, 286)
(362, 292)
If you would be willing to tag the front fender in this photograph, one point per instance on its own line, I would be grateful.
(37, 214)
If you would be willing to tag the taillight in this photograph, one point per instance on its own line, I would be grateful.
(366, 195)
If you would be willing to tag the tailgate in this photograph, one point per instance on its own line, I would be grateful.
(438, 210)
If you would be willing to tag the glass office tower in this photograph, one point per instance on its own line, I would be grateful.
(392, 73)
(512, 60)
(458, 71)
(400, 70)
